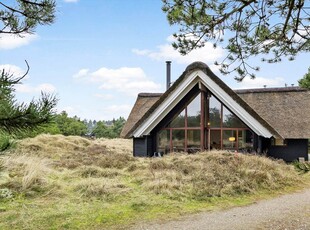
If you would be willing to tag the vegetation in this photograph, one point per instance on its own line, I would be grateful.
(25, 15)
(112, 131)
(271, 29)
(78, 183)
(303, 167)
(20, 118)
(17, 118)
(305, 81)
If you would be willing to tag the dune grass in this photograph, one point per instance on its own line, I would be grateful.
(57, 182)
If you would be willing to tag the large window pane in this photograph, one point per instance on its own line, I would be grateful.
(163, 141)
(178, 121)
(245, 140)
(193, 113)
(214, 113)
(215, 139)
(230, 120)
(178, 140)
(193, 141)
(230, 139)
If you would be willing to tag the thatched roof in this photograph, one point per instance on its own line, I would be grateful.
(147, 102)
(143, 103)
(286, 109)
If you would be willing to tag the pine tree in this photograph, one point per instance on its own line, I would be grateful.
(305, 81)
(19, 19)
(16, 117)
(269, 29)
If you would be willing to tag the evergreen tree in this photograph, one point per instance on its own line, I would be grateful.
(25, 15)
(15, 117)
(246, 28)
(305, 81)
(21, 18)
(70, 126)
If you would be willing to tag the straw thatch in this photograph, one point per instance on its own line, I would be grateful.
(271, 107)
(143, 104)
(286, 109)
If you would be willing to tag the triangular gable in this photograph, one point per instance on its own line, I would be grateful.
(199, 73)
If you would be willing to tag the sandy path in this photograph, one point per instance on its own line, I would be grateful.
(285, 212)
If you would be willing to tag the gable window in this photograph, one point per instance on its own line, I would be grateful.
(219, 128)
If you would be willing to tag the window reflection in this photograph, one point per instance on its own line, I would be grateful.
(163, 141)
(193, 113)
(178, 140)
(193, 141)
(245, 140)
(214, 113)
(178, 121)
(230, 120)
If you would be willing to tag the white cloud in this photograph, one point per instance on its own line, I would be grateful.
(82, 73)
(260, 82)
(26, 88)
(129, 81)
(9, 41)
(165, 52)
(13, 70)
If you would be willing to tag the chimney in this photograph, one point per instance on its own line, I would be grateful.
(168, 75)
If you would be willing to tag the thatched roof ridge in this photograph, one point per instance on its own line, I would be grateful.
(270, 90)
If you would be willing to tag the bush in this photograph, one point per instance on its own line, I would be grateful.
(5, 141)
(303, 167)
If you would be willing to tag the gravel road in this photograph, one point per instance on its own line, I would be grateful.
(285, 212)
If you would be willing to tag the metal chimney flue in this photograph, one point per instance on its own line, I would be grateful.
(168, 75)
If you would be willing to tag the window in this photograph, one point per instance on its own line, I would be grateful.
(193, 140)
(178, 140)
(184, 128)
(230, 120)
(163, 141)
(214, 113)
(223, 129)
(193, 113)
(230, 139)
(178, 121)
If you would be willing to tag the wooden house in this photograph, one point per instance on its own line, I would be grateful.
(200, 112)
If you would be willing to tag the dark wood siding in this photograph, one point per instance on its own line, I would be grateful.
(143, 147)
(139, 147)
(293, 149)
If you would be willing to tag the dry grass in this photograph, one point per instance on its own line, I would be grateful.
(214, 174)
(54, 170)
(26, 173)
(100, 188)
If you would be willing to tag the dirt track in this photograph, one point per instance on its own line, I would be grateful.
(285, 212)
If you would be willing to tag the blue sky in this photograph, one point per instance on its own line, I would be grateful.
(99, 54)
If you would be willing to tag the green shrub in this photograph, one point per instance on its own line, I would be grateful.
(303, 167)
(5, 141)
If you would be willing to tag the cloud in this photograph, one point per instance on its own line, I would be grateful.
(82, 73)
(26, 88)
(129, 81)
(260, 82)
(165, 52)
(10, 41)
(13, 70)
